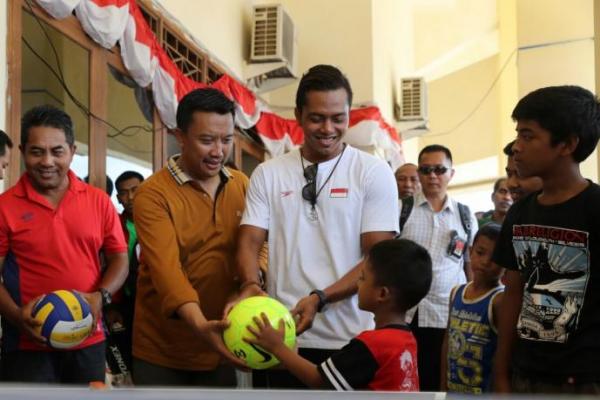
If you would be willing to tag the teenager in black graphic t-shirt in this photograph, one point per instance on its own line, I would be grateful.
(549, 330)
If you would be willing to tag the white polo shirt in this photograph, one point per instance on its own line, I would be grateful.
(307, 253)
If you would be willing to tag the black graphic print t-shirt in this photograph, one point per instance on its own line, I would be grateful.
(556, 250)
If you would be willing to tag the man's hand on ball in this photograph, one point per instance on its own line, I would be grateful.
(265, 335)
(28, 324)
(212, 333)
(304, 313)
(94, 299)
(249, 290)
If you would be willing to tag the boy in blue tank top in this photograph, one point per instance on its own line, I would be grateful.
(470, 341)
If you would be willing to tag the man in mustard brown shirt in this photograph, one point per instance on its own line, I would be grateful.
(187, 217)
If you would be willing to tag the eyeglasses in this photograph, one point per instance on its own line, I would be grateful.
(309, 191)
(436, 169)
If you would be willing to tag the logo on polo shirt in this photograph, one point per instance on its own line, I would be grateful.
(28, 216)
(286, 193)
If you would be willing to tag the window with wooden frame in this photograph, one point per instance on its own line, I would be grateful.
(58, 64)
(196, 64)
(110, 134)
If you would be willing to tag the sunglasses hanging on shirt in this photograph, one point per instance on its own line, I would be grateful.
(309, 191)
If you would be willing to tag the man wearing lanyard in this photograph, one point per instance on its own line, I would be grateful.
(321, 208)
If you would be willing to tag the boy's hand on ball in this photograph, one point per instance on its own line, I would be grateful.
(28, 324)
(265, 335)
(304, 313)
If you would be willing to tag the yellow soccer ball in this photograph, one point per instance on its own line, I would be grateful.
(241, 316)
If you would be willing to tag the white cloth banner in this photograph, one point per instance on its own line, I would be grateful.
(104, 23)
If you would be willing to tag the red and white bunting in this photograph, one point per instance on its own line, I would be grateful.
(110, 21)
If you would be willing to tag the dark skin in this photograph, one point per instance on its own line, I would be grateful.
(47, 156)
(435, 187)
(251, 240)
(534, 155)
(486, 276)
(324, 121)
(205, 146)
(373, 297)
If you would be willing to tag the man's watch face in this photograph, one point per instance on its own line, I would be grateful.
(106, 297)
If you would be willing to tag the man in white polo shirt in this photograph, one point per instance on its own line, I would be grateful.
(321, 208)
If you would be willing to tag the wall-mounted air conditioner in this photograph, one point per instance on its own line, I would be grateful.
(273, 48)
(413, 100)
(410, 108)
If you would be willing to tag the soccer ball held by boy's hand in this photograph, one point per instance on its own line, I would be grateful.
(242, 315)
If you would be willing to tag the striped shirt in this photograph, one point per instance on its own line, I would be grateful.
(180, 176)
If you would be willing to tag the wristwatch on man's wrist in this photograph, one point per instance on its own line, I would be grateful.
(106, 297)
(322, 299)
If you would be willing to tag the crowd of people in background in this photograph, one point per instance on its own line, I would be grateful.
(394, 285)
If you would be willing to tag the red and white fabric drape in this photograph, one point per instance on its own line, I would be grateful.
(110, 21)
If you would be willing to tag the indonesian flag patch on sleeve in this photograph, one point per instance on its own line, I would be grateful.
(339, 192)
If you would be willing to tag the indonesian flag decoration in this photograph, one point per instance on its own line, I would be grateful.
(109, 22)
(338, 192)
(103, 20)
(139, 48)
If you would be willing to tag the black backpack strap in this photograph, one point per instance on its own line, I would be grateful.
(465, 219)
(407, 206)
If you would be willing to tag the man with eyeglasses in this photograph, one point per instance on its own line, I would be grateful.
(437, 222)
(322, 207)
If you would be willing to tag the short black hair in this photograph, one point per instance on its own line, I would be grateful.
(110, 187)
(47, 115)
(5, 142)
(322, 78)
(498, 183)
(508, 151)
(204, 100)
(564, 111)
(128, 175)
(404, 267)
(434, 148)
(490, 230)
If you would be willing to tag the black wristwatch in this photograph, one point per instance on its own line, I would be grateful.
(106, 297)
(322, 299)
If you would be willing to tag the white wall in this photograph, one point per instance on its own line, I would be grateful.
(563, 52)
(222, 27)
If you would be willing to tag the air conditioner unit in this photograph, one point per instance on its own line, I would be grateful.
(413, 100)
(410, 108)
(273, 49)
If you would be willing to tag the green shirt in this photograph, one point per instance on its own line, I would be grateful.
(132, 239)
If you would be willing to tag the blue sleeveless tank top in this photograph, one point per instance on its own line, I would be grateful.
(471, 342)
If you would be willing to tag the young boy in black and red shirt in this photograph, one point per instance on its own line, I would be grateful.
(394, 278)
